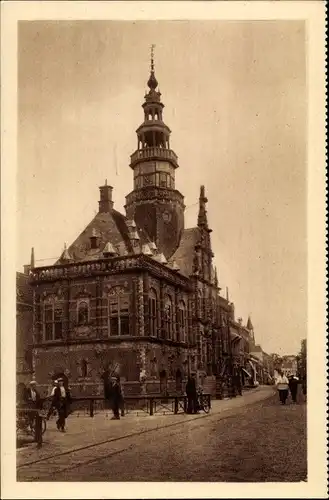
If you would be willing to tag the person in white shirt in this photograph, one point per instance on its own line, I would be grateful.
(282, 385)
(52, 393)
(61, 401)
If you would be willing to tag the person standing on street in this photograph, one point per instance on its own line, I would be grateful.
(51, 409)
(191, 393)
(283, 387)
(293, 386)
(61, 401)
(122, 398)
(116, 398)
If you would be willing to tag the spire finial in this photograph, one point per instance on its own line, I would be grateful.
(152, 82)
(152, 57)
(105, 182)
(216, 277)
(202, 217)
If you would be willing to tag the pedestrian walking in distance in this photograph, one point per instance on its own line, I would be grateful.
(283, 387)
(61, 401)
(192, 396)
(116, 398)
(293, 386)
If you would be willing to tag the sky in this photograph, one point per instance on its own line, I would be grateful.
(235, 99)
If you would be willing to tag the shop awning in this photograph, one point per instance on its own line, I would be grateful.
(247, 373)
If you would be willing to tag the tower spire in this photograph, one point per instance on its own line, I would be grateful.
(202, 216)
(154, 164)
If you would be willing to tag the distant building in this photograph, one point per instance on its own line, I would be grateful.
(289, 365)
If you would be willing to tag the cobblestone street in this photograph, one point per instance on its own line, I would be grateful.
(250, 438)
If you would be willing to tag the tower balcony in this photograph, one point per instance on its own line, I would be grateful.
(153, 153)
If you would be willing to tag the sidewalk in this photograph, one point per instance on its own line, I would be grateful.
(85, 431)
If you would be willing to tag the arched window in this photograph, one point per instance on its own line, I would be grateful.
(118, 315)
(52, 319)
(153, 312)
(168, 317)
(83, 312)
(182, 323)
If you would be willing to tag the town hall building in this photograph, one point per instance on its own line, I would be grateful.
(137, 294)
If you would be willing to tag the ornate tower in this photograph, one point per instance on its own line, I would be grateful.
(155, 204)
(203, 248)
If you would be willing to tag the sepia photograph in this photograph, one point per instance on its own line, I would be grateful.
(162, 251)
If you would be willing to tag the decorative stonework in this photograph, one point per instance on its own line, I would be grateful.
(140, 301)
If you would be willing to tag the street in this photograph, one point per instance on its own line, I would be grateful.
(254, 439)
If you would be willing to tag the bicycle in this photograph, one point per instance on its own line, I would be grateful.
(203, 403)
(25, 424)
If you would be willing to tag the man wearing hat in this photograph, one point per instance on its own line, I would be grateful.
(32, 395)
(116, 397)
(61, 401)
(33, 400)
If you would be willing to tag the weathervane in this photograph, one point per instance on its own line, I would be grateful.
(152, 57)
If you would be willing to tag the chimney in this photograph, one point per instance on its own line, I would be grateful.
(27, 268)
(105, 203)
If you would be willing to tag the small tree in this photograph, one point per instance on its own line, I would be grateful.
(277, 361)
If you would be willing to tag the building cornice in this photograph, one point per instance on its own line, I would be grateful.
(102, 267)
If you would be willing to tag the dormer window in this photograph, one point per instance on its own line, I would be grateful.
(94, 239)
(93, 242)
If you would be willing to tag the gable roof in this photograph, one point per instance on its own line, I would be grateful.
(109, 227)
(184, 254)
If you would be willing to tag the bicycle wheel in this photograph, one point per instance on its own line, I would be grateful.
(43, 426)
(205, 405)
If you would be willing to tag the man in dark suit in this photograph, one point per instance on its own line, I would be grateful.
(61, 401)
(191, 393)
(116, 398)
(293, 386)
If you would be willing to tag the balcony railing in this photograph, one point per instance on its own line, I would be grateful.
(154, 152)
